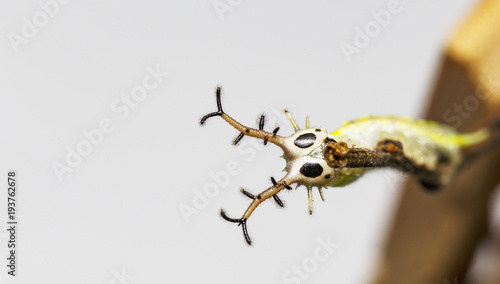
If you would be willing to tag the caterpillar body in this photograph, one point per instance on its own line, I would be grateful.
(430, 145)
(430, 151)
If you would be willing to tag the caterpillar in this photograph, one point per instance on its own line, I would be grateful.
(429, 151)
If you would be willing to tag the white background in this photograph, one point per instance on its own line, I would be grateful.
(118, 211)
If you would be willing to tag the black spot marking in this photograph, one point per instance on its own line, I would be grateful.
(317, 130)
(327, 176)
(311, 170)
(305, 140)
(247, 130)
(259, 197)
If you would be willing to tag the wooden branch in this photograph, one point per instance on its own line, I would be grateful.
(434, 236)
(389, 153)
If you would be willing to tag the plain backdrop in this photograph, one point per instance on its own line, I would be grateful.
(116, 217)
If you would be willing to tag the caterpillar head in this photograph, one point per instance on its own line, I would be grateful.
(303, 153)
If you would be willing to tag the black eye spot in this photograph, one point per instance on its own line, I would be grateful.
(311, 170)
(327, 176)
(317, 130)
(305, 140)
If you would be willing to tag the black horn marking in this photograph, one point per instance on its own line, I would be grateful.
(241, 221)
(247, 194)
(262, 120)
(287, 186)
(238, 138)
(219, 111)
(276, 130)
(278, 200)
(275, 197)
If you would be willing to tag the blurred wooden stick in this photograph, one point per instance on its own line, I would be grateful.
(433, 236)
